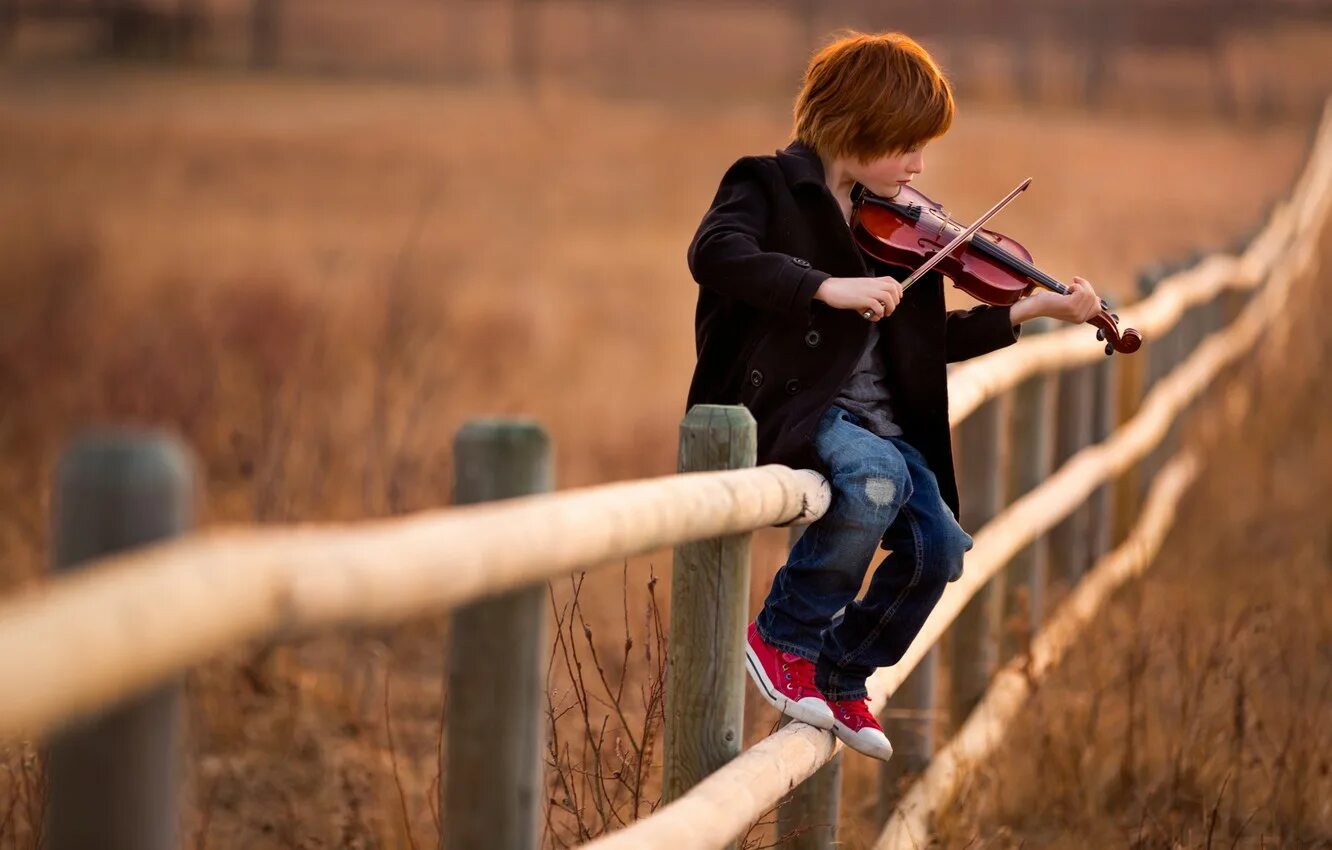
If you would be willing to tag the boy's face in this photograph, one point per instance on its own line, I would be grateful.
(887, 174)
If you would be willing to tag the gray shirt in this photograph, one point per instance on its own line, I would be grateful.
(866, 392)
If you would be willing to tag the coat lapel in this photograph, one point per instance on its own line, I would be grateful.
(804, 174)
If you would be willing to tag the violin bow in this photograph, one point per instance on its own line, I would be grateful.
(964, 235)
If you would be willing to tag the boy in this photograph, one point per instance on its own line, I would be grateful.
(845, 374)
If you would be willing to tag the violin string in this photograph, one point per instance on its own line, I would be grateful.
(987, 246)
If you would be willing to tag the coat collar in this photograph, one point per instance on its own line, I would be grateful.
(801, 165)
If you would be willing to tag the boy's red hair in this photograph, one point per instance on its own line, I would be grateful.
(867, 96)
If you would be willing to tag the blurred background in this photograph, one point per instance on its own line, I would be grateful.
(315, 236)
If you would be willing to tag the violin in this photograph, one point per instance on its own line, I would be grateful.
(909, 229)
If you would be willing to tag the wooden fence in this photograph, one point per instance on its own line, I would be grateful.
(100, 647)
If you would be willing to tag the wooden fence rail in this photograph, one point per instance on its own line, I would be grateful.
(93, 640)
(86, 640)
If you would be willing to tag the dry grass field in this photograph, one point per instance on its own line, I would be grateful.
(316, 283)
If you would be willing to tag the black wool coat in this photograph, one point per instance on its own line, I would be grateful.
(774, 233)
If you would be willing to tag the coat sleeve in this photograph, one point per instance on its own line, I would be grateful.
(980, 330)
(727, 252)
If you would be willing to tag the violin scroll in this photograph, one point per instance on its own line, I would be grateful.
(1107, 330)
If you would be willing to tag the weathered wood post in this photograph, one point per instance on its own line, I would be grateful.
(1163, 361)
(1105, 411)
(808, 817)
(1073, 431)
(116, 778)
(1148, 281)
(1197, 324)
(975, 636)
(705, 697)
(1216, 313)
(1233, 302)
(1128, 487)
(1031, 450)
(491, 795)
(1137, 373)
(911, 723)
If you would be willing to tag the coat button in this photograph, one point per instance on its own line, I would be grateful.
(756, 378)
(792, 386)
(813, 338)
(800, 261)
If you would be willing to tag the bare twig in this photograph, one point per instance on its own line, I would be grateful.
(393, 758)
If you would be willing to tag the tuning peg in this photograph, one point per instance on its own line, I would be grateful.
(1105, 304)
(1109, 349)
(1115, 316)
(1100, 335)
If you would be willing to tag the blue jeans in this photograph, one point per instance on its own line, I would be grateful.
(882, 490)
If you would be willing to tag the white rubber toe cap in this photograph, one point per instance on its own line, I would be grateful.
(871, 742)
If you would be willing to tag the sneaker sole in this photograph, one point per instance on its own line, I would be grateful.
(770, 694)
(846, 736)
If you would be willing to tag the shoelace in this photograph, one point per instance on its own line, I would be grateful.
(855, 709)
(798, 671)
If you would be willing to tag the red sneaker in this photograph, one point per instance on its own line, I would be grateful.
(786, 681)
(854, 723)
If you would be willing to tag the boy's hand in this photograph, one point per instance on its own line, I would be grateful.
(1079, 305)
(875, 296)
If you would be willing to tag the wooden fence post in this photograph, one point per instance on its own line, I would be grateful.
(1128, 487)
(1197, 323)
(1105, 411)
(911, 723)
(1233, 302)
(1162, 356)
(975, 636)
(1153, 350)
(807, 818)
(1032, 448)
(705, 678)
(1216, 312)
(1068, 539)
(116, 778)
(491, 795)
